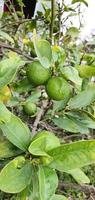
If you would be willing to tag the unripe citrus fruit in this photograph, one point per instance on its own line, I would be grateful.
(58, 88)
(5, 94)
(30, 108)
(86, 71)
(37, 74)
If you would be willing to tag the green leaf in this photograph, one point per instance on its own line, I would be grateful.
(70, 73)
(22, 86)
(7, 150)
(71, 156)
(89, 58)
(66, 124)
(60, 105)
(73, 32)
(14, 129)
(70, 124)
(79, 176)
(83, 117)
(43, 142)
(34, 96)
(15, 176)
(5, 115)
(22, 195)
(58, 197)
(48, 182)
(58, 55)
(43, 51)
(42, 185)
(8, 69)
(83, 99)
(6, 36)
(80, 1)
(86, 71)
(34, 185)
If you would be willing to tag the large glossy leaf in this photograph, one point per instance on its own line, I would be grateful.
(58, 197)
(7, 150)
(48, 182)
(43, 51)
(8, 69)
(72, 156)
(70, 124)
(14, 129)
(79, 176)
(43, 142)
(83, 99)
(15, 176)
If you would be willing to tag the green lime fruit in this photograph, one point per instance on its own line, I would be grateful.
(37, 74)
(58, 88)
(86, 71)
(30, 108)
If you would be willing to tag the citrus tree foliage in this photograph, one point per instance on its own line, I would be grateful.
(46, 84)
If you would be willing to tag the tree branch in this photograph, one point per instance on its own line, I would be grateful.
(16, 23)
(39, 116)
(6, 46)
(84, 188)
(52, 19)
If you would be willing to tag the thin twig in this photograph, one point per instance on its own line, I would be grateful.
(6, 46)
(84, 188)
(12, 11)
(39, 116)
(16, 23)
(52, 19)
(75, 136)
(60, 24)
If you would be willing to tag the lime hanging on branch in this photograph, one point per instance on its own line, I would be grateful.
(30, 108)
(37, 74)
(58, 88)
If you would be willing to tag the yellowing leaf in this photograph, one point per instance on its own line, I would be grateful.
(15, 176)
(8, 69)
(71, 156)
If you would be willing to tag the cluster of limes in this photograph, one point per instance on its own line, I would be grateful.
(56, 87)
